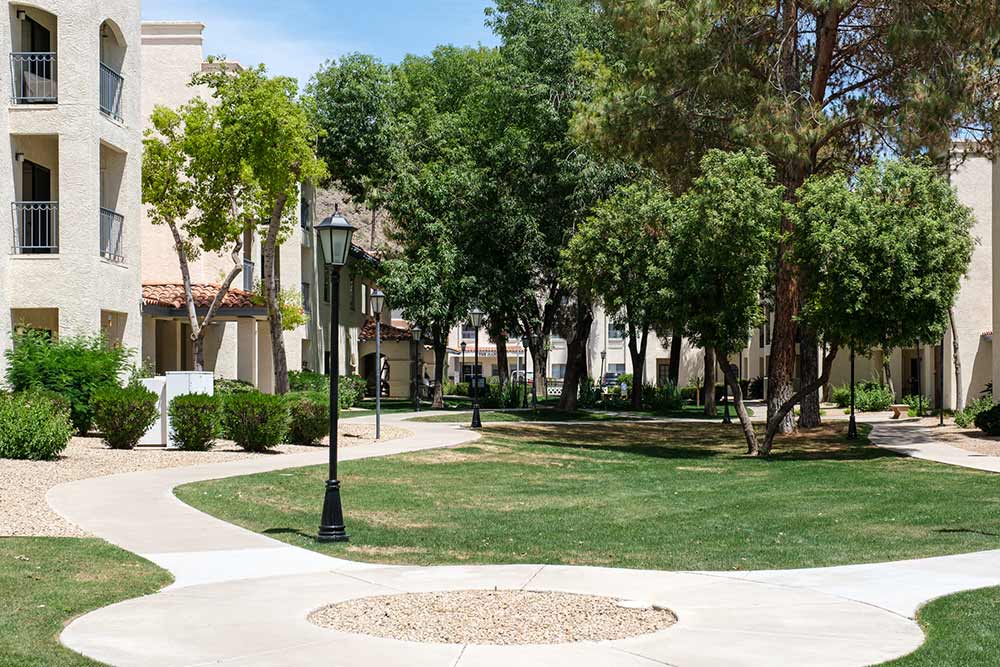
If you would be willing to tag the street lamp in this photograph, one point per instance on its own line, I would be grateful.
(417, 332)
(476, 318)
(524, 398)
(377, 300)
(461, 373)
(335, 239)
(852, 426)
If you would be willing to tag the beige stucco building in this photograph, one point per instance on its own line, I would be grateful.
(70, 170)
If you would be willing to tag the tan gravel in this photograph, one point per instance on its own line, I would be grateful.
(970, 439)
(23, 484)
(493, 617)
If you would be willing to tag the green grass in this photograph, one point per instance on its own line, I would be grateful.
(400, 405)
(45, 582)
(539, 415)
(961, 631)
(639, 495)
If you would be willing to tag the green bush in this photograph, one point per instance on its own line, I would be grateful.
(916, 403)
(255, 421)
(967, 417)
(309, 417)
(351, 390)
(589, 394)
(226, 387)
(841, 396)
(32, 427)
(689, 393)
(872, 397)
(308, 381)
(123, 415)
(755, 388)
(502, 395)
(667, 398)
(988, 421)
(195, 421)
(73, 367)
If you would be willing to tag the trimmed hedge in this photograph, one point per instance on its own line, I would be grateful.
(32, 427)
(123, 415)
(227, 387)
(255, 421)
(351, 388)
(988, 421)
(309, 417)
(195, 421)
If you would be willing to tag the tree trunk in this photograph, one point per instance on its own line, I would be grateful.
(710, 409)
(809, 416)
(730, 371)
(576, 357)
(503, 364)
(676, 347)
(440, 356)
(638, 354)
(959, 391)
(887, 370)
(276, 326)
(540, 356)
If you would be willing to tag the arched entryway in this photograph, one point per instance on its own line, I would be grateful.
(369, 370)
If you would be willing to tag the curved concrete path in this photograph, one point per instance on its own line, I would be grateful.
(241, 598)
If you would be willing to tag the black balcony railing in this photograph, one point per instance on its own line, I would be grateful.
(112, 227)
(36, 227)
(111, 92)
(33, 76)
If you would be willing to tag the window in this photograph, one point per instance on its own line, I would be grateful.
(558, 371)
(468, 332)
(306, 302)
(306, 213)
(616, 369)
(615, 332)
(469, 370)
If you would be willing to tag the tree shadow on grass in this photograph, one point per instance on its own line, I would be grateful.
(288, 531)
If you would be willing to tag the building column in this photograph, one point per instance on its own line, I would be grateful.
(265, 360)
(246, 350)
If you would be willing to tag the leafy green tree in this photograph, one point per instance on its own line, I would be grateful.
(819, 86)
(611, 256)
(716, 259)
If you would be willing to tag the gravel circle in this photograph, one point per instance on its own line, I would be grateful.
(494, 617)
(23, 484)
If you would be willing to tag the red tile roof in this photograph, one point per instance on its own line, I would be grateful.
(171, 295)
(389, 332)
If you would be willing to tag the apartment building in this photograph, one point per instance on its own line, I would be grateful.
(71, 169)
(916, 369)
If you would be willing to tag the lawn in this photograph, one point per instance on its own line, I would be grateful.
(639, 494)
(45, 582)
(961, 631)
(538, 415)
(399, 405)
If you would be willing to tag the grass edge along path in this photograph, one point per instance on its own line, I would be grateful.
(46, 582)
(668, 496)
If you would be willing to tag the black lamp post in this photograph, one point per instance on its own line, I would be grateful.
(476, 319)
(852, 425)
(534, 371)
(335, 239)
(920, 383)
(417, 337)
(726, 419)
(377, 300)
(940, 384)
(524, 398)
(461, 372)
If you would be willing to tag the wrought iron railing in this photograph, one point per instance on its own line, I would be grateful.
(112, 226)
(33, 76)
(36, 227)
(111, 92)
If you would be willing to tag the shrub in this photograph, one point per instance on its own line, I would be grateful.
(690, 393)
(226, 387)
(255, 421)
(667, 398)
(194, 421)
(308, 381)
(74, 367)
(755, 388)
(916, 403)
(841, 396)
(32, 427)
(988, 421)
(351, 390)
(967, 417)
(309, 417)
(872, 398)
(123, 415)
(589, 394)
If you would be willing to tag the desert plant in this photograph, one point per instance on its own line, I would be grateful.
(919, 406)
(967, 417)
(195, 421)
(74, 367)
(309, 417)
(667, 398)
(32, 427)
(124, 414)
(988, 421)
(255, 421)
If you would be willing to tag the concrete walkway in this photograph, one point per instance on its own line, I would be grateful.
(241, 598)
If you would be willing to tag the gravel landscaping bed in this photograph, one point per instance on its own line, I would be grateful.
(970, 439)
(493, 617)
(23, 484)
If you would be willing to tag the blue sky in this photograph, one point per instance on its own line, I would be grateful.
(293, 37)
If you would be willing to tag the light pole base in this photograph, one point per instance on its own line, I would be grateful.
(852, 428)
(476, 422)
(332, 528)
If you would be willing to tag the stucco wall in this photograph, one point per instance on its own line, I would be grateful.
(76, 281)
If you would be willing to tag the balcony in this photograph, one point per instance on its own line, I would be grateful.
(111, 92)
(36, 227)
(33, 76)
(112, 225)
